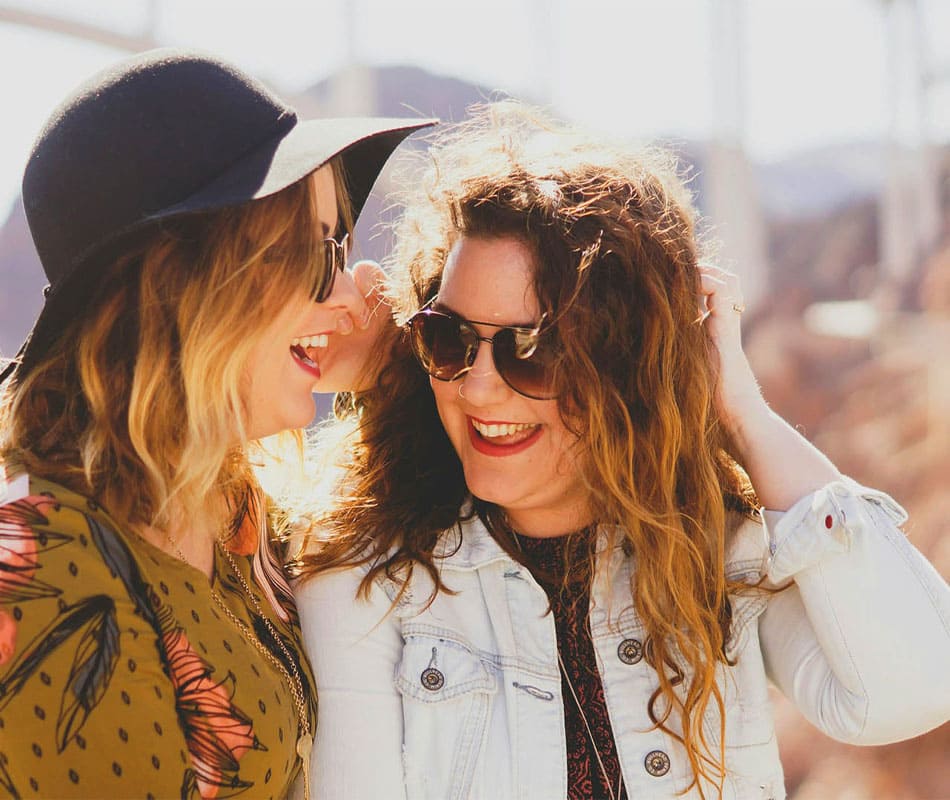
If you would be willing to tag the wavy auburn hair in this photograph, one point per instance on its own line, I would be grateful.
(140, 403)
(613, 235)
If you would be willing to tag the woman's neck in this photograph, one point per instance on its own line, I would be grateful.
(191, 546)
(545, 524)
(181, 538)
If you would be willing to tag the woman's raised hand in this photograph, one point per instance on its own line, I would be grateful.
(782, 464)
(738, 393)
(364, 319)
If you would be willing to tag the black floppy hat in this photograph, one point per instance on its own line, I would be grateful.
(163, 134)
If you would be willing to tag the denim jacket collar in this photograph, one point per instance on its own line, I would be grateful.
(469, 546)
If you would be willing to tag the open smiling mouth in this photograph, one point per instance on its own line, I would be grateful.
(306, 350)
(502, 438)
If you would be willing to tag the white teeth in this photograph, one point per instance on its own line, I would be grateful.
(311, 341)
(503, 429)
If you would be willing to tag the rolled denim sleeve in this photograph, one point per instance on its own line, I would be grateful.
(860, 639)
(354, 645)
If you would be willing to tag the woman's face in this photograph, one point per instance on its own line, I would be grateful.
(303, 351)
(515, 451)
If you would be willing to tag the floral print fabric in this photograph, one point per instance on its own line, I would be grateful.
(119, 674)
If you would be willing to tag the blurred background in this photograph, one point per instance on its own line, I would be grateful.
(817, 134)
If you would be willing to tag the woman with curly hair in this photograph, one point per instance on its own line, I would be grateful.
(194, 233)
(567, 583)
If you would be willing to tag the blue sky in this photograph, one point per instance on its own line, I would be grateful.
(815, 72)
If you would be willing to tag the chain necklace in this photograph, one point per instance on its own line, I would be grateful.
(580, 708)
(294, 682)
(590, 733)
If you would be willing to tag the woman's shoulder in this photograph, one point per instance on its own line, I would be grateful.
(65, 577)
(747, 547)
(42, 522)
(406, 586)
(60, 546)
(24, 487)
(53, 509)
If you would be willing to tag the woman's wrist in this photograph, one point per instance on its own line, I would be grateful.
(741, 405)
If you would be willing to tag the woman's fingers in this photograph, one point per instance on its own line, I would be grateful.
(345, 306)
(368, 277)
(355, 296)
(355, 309)
(721, 291)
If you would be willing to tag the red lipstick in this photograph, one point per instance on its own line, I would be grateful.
(302, 361)
(489, 448)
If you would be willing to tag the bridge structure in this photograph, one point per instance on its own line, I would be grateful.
(909, 204)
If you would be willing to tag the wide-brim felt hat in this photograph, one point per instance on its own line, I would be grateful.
(164, 134)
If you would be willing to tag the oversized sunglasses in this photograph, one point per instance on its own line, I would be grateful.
(446, 345)
(335, 253)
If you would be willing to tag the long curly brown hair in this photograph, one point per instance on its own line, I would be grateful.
(616, 250)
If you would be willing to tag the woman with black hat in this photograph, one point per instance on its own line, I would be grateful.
(193, 231)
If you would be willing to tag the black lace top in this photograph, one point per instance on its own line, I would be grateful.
(570, 604)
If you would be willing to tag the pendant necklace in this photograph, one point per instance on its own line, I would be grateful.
(293, 681)
(580, 708)
(590, 733)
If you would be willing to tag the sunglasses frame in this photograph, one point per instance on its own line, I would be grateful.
(535, 332)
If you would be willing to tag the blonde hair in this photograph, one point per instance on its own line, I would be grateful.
(614, 237)
(140, 403)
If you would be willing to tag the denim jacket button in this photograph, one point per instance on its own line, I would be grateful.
(432, 679)
(657, 763)
(630, 651)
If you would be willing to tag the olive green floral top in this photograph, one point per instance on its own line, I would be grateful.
(120, 676)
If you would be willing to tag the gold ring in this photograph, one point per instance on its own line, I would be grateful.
(738, 308)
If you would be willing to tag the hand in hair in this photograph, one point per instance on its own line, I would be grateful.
(738, 392)
(358, 355)
(781, 463)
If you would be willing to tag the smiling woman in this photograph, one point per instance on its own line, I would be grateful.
(515, 451)
(149, 642)
(580, 542)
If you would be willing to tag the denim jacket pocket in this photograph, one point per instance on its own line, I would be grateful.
(447, 692)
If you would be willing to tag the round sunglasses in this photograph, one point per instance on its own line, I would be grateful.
(446, 345)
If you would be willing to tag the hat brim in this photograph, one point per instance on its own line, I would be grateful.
(365, 144)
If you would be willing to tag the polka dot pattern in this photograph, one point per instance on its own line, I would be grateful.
(170, 676)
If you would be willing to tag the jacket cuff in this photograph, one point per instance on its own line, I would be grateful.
(825, 523)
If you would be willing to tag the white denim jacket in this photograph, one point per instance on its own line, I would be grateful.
(462, 699)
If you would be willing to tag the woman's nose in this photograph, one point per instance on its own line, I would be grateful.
(482, 385)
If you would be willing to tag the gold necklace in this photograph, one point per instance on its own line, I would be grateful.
(294, 682)
(580, 708)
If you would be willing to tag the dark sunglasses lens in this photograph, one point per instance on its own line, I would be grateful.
(324, 286)
(441, 345)
(524, 361)
(334, 261)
